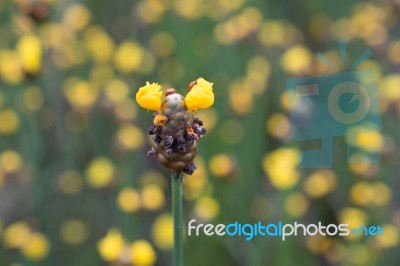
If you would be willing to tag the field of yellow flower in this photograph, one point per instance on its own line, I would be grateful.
(76, 186)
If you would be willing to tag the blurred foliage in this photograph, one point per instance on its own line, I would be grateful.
(76, 187)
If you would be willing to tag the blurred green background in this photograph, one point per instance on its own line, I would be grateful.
(76, 186)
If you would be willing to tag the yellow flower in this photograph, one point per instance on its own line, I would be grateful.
(111, 246)
(29, 50)
(149, 96)
(37, 247)
(200, 96)
(143, 253)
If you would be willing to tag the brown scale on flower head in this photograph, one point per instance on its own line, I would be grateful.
(176, 131)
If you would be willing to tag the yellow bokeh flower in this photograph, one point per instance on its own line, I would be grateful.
(77, 17)
(29, 50)
(9, 122)
(10, 161)
(129, 57)
(143, 253)
(16, 235)
(100, 172)
(128, 200)
(149, 96)
(152, 197)
(206, 208)
(162, 232)
(37, 247)
(10, 67)
(200, 96)
(130, 137)
(111, 246)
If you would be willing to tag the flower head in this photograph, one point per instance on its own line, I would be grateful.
(200, 95)
(149, 96)
(176, 131)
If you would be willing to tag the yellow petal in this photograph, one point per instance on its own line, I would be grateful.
(200, 96)
(149, 96)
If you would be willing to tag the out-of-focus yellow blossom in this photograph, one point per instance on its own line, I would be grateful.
(152, 197)
(206, 208)
(281, 167)
(390, 237)
(36, 248)
(33, 99)
(29, 50)
(128, 57)
(77, 16)
(116, 91)
(361, 193)
(151, 11)
(258, 71)
(128, 200)
(200, 96)
(111, 246)
(130, 137)
(143, 253)
(296, 205)
(370, 140)
(389, 88)
(240, 99)
(359, 163)
(221, 165)
(320, 183)
(74, 232)
(382, 194)
(394, 52)
(99, 44)
(367, 194)
(10, 67)
(16, 235)
(354, 217)
(9, 122)
(272, 33)
(278, 125)
(189, 9)
(100, 172)
(10, 161)
(80, 94)
(221, 8)
(162, 232)
(149, 96)
(296, 60)
(278, 33)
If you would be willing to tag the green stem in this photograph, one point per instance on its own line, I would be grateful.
(176, 180)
